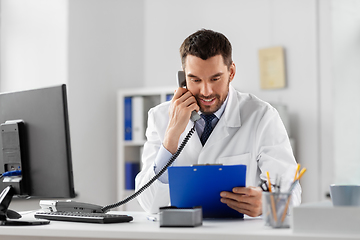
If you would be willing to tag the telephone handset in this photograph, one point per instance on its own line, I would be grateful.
(181, 79)
(182, 83)
(194, 117)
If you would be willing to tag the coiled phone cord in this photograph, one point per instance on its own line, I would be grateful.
(171, 160)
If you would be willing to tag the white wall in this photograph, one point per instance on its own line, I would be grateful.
(33, 43)
(105, 54)
(249, 25)
(96, 47)
(326, 95)
(346, 46)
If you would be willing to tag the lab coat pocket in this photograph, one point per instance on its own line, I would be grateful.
(235, 160)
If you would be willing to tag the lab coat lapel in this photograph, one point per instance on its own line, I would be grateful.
(218, 134)
(229, 119)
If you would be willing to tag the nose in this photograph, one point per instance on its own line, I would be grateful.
(206, 89)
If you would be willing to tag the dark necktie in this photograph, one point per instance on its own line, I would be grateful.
(208, 128)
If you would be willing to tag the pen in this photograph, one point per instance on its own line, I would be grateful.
(273, 207)
(285, 209)
(301, 173)
(288, 200)
(297, 170)
(296, 180)
(269, 183)
(277, 183)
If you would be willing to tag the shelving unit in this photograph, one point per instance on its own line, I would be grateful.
(129, 151)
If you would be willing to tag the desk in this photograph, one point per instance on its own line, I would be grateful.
(141, 228)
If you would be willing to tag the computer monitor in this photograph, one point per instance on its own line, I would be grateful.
(35, 139)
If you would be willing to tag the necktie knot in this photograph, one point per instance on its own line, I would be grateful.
(208, 118)
(208, 127)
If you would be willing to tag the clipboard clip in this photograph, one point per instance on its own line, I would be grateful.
(207, 164)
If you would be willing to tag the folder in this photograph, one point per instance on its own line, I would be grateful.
(134, 118)
(169, 97)
(192, 186)
(131, 170)
(138, 121)
(128, 118)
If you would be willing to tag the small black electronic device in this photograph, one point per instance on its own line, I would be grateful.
(180, 217)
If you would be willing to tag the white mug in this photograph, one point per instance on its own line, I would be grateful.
(345, 195)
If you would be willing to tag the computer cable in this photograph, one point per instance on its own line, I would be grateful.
(11, 173)
(148, 184)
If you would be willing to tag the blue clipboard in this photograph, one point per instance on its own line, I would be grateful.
(201, 185)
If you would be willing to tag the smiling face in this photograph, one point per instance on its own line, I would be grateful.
(208, 80)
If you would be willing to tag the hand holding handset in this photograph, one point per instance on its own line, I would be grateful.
(182, 83)
(194, 117)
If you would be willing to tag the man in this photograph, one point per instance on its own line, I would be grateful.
(245, 130)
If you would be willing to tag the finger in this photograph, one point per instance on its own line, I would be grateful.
(231, 195)
(237, 197)
(186, 95)
(254, 197)
(179, 100)
(235, 203)
(248, 209)
(185, 105)
(241, 190)
(240, 207)
(251, 191)
(191, 103)
(179, 92)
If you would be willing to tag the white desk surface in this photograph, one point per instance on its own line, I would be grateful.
(141, 228)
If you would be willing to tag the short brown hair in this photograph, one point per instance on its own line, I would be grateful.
(206, 44)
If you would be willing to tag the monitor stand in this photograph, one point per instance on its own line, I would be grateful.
(11, 218)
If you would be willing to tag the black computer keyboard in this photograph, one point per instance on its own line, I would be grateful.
(84, 217)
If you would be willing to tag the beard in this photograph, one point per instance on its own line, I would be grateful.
(218, 101)
(209, 109)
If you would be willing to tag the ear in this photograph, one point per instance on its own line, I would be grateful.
(232, 71)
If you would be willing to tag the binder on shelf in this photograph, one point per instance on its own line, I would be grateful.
(128, 118)
(131, 170)
(138, 122)
(134, 118)
(169, 97)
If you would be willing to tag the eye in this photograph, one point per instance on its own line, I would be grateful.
(215, 79)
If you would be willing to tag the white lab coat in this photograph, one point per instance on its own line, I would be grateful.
(249, 132)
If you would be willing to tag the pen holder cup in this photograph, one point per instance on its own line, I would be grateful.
(276, 209)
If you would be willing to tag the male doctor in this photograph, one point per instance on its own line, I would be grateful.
(243, 129)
